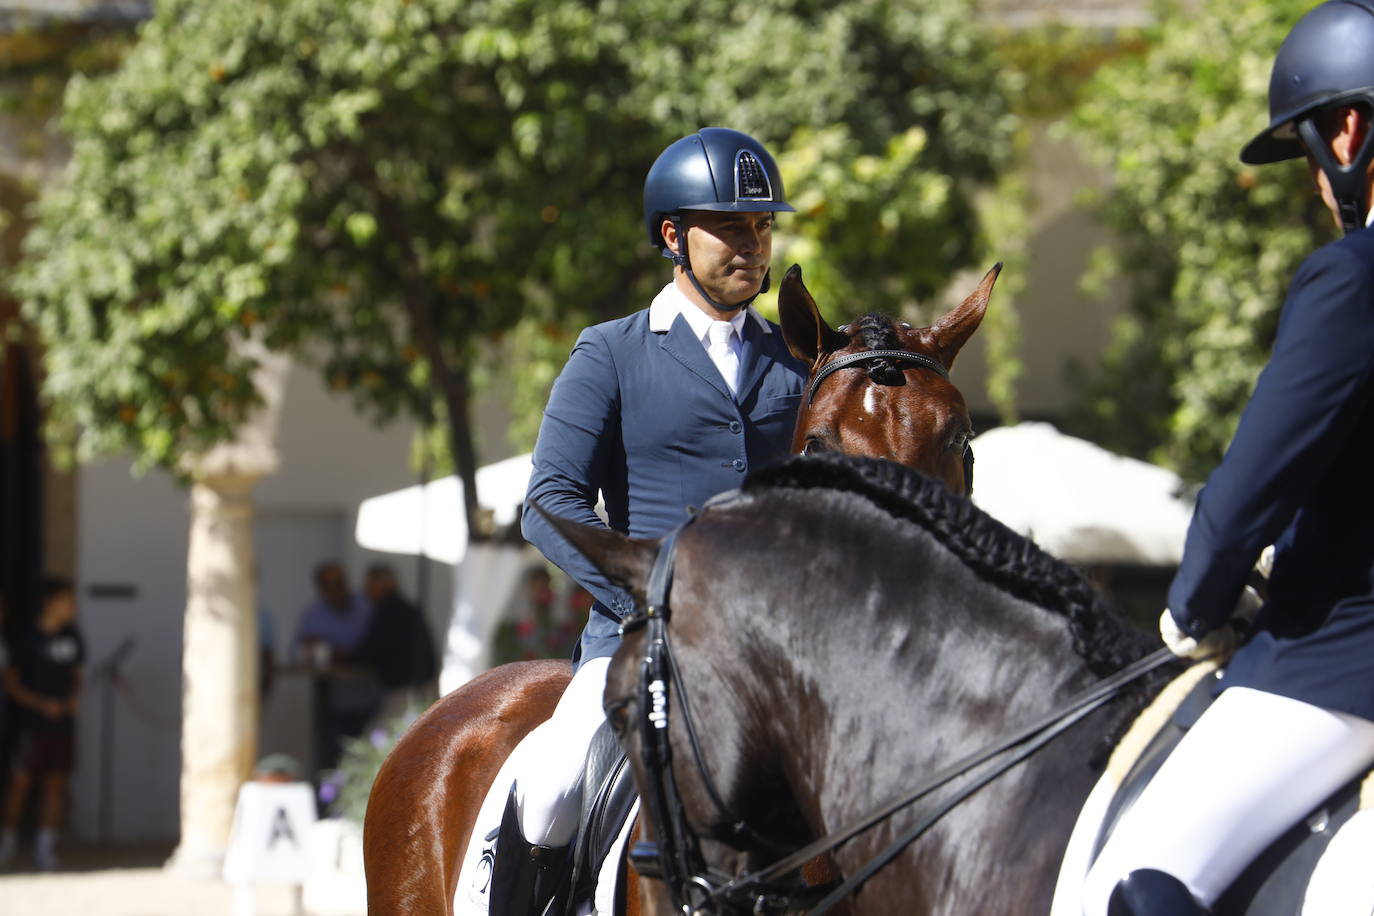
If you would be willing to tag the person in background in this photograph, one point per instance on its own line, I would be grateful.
(44, 685)
(542, 629)
(330, 638)
(335, 624)
(4, 699)
(398, 645)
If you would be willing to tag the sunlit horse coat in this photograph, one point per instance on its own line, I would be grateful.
(1300, 474)
(641, 414)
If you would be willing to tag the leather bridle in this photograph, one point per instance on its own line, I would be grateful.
(865, 359)
(675, 857)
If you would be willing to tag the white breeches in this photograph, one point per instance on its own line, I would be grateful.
(549, 763)
(1252, 766)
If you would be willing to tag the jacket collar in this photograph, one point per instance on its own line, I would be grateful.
(670, 302)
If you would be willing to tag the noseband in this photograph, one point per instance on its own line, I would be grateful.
(676, 859)
(867, 358)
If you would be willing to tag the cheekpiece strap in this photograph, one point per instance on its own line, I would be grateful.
(661, 575)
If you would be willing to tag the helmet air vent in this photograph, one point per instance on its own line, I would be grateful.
(751, 180)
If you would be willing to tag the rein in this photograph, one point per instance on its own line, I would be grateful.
(676, 857)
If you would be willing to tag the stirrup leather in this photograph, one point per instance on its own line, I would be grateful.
(1150, 892)
(527, 880)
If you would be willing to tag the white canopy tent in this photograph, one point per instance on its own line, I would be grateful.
(429, 519)
(1079, 501)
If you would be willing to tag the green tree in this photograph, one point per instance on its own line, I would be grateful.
(1208, 243)
(386, 188)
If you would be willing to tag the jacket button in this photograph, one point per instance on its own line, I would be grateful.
(735, 426)
(738, 464)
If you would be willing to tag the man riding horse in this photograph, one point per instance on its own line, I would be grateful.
(655, 412)
(1296, 718)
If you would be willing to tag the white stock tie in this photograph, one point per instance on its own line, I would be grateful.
(724, 351)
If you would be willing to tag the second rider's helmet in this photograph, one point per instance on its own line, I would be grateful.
(713, 169)
(1326, 61)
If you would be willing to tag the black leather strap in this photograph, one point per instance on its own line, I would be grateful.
(854, 359)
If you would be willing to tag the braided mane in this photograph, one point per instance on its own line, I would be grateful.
(990, 549)
(876, 331)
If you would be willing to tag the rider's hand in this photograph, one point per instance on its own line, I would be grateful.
(1218, 642)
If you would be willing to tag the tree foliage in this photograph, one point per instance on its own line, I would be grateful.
(388, 188)
(1209, 244)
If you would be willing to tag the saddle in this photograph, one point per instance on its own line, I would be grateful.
(608, 800)
(1277, 882)
(592, 879)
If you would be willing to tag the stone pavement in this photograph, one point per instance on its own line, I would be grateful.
(125, 882)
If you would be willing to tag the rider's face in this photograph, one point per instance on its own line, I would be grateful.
(729, 252)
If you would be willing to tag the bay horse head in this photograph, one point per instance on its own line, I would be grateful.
(880, 387)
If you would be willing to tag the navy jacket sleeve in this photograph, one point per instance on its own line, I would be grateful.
(1306, 400)
(572, 459)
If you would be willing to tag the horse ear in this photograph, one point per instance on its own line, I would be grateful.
(622, 559)
(807, 335)
(953, 330)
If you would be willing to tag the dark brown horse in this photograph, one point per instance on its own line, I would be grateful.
(427, 796)
(866, 628)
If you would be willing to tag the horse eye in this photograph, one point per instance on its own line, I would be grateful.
(618, 714)
(814, 446)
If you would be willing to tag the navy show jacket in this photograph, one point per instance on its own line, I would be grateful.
(1300, 474)
(642, 416)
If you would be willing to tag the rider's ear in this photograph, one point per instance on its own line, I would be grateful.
(807, 335)
(668, 229)
(952, 331)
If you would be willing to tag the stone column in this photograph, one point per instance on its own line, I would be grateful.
(219, 702)
(219, 713)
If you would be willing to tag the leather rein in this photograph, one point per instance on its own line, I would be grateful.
(675, 857)
(864, 358)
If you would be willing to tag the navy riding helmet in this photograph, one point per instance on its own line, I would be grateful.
(713, 169)
(1327, 60)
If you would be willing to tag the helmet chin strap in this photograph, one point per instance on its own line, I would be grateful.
(1349, 183)
(680, 260)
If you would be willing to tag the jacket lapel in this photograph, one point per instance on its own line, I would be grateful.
(684, 346)
(754, 357)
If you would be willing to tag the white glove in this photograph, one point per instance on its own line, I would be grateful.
(1247, 606)
(1219, 642)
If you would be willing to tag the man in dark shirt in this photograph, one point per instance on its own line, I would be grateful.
(43, 683)
(398, 646)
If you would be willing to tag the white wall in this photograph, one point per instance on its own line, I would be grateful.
(132, 534)
(1059, 322)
